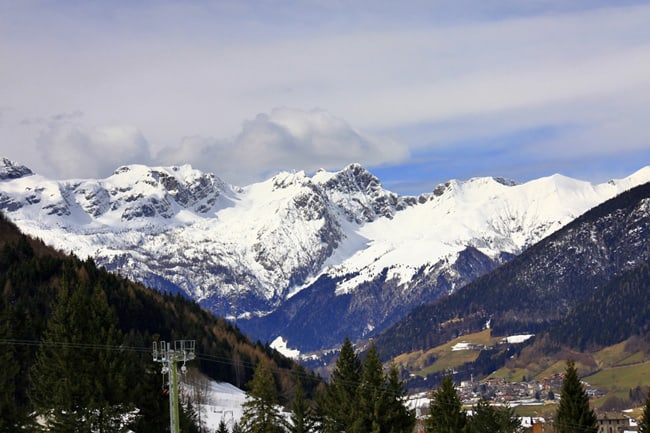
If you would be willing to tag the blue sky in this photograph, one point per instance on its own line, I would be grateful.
(419, 92)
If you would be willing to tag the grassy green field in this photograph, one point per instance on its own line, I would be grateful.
(620, 379)
(443, 357)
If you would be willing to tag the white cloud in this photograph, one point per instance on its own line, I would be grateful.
(72, 151)
(284, 139)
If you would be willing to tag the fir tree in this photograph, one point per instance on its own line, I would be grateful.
(78, 379)
(489, 419)
(446, 410)
(9, 408)
(573, 414)
(302, 417)
(339, 408)
(261, 413)
(644, 424)
(397, 415)
(56, 393)
(372, 396)
(222, 428)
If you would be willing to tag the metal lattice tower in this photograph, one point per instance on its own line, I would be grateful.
(182, 351)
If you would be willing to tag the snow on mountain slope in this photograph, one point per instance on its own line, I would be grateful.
(491, 215)
(247, 250)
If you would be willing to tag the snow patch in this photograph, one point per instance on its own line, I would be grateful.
(280, 344)
(514, 339)
(461, 346)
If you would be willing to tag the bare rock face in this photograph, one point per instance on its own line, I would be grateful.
(10, 170)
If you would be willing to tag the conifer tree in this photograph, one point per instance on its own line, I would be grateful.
(107, 366)
(222, 428)
(340, 404)
(372, 396)
(489, 419)
(446, 410)
(397, 415)
(56, 393)
(573, 414)
(644, 424)
(302, 418)
(77, 380)
(9, 368)
(261, 413)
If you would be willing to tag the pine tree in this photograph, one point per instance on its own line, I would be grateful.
(9, 408)
(222, 428)
(446, 410)
(573, 414)
(108, 366)
(644, 424)
(55, 383)
(339, 407)
(302, 417)
(489, 419)
(372, 396)
(398, 417)
(261, 413)
(78, 378)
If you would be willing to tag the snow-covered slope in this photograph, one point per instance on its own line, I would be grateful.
(492, 215)
(248, 251)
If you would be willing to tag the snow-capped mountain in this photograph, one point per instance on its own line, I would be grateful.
(276, 250)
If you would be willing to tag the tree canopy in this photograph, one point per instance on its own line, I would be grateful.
(446, 414)
(574, 414)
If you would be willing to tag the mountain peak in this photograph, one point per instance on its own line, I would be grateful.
(11, 170)
(355, 177)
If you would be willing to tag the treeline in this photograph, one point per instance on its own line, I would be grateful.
(360, 398)
(75, 344)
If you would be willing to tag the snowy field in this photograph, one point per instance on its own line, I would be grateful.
(224, 401)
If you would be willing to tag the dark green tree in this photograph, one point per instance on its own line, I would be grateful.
(261, 413)
(446, 414)
(372, 397)
(644, 423)
(12, 414)
(56, 389)
(107, 365)
(340, 405)
(573, 414)
(222, 428)
(397, 415)
(489, 419)
(153, 406)
(302, 418)
(78, 379)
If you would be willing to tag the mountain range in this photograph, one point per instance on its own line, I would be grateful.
(585, 284)
(308, 258)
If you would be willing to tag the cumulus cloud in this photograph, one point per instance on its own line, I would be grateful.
(73, 151)
(285, 139)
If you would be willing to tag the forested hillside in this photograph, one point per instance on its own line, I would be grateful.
(77, 340)
(611, 314)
